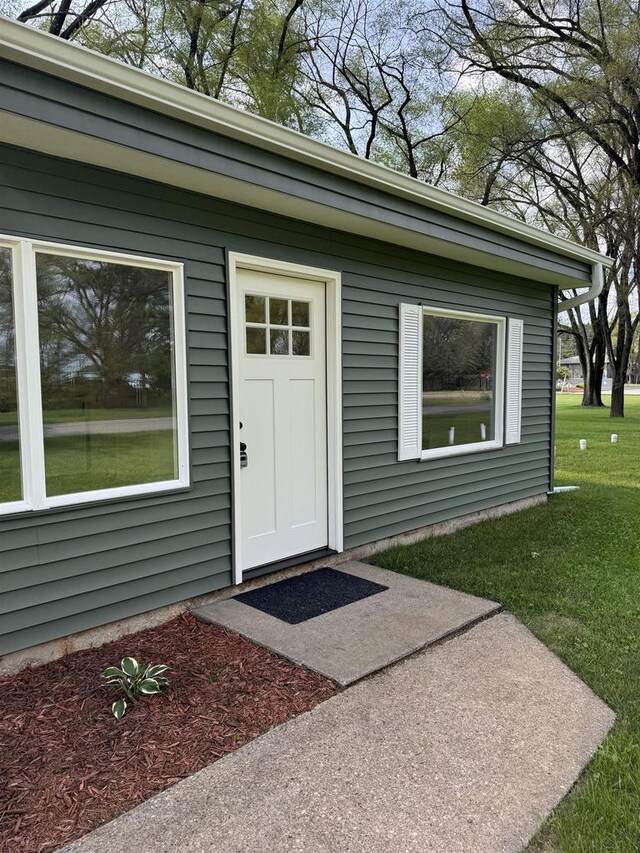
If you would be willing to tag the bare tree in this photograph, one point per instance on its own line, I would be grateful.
(510, 154)
(61, 18)
(578, 62)
(373, 85)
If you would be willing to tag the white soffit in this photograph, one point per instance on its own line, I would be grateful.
(52, 55)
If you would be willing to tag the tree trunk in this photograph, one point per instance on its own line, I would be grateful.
(592, 373)
(620, 356)
(592, 394)
(617, 395)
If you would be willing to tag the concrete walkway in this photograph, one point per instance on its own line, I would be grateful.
(462, 748)
(353, 641)
(66, 429)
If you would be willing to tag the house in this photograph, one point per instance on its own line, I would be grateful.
(234, 348)
(575, 370)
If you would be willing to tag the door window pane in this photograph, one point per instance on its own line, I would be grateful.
(107, 365)
(278, 312)
(458, 374)
(10, 482)
(256, 341)
(300, 343)
(287, 329)
(300, 314)
(279, 342)
(255, 309)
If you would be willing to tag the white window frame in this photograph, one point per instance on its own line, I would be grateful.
(497, 441)
(27, 345)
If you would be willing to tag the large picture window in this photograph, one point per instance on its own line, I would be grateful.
(102, 399)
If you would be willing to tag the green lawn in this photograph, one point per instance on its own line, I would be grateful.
(435, 428)
(107, 461)
(570, 570)
(57, 415)
(78, 464)
(436, 423)
(10, 483)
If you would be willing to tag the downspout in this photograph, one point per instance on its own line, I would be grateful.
(597, 283)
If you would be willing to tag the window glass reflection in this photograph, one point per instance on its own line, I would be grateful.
(458, 375)
(287, 332)
(255, 308)
(107, 371)
(10, 482)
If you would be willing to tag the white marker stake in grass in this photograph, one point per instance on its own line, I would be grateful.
(583, 444)
(614, 438)
(483, 432)
(452, 436)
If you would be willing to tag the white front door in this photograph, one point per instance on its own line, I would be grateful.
(282, 389)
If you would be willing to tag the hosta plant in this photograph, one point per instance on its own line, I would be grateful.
(135, 680)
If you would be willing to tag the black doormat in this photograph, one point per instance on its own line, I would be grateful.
(305, 596)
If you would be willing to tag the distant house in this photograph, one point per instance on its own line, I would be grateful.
(330, 354)
(575, 370)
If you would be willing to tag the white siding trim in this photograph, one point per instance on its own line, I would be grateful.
(410, 383)
(28, 364)
(513, 392)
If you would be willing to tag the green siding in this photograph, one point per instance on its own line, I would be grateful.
(67, 570)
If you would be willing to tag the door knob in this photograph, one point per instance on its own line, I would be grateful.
(244, 458)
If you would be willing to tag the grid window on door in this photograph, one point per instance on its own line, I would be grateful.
(277, 326)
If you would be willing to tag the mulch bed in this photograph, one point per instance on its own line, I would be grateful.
(66, 764)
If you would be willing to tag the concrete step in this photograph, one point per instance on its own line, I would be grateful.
(358, 639)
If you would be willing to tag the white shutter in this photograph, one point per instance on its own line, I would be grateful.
(513, 395)
(410, 383)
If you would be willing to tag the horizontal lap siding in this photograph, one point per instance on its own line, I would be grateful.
(65, 571)
(384, 497)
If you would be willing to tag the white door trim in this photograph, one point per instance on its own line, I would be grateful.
(236, 261)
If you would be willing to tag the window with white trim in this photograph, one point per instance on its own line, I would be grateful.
(93, 396)
(460, 382)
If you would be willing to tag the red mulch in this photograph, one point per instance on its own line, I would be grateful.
(67, 766)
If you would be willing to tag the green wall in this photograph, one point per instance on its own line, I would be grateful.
(67, 570)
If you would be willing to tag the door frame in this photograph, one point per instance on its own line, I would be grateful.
(238, 261)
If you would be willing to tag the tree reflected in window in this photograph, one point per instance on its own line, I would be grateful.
(458, 376)
(107, 373)
(10, 484)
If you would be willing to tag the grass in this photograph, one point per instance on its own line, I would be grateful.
(51, 416)
(435, 428)
(107, 461)
(78, 464)
(436, 423)
(10, 483)
(570, 570)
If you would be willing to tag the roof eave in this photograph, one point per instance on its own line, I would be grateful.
(52, 55)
